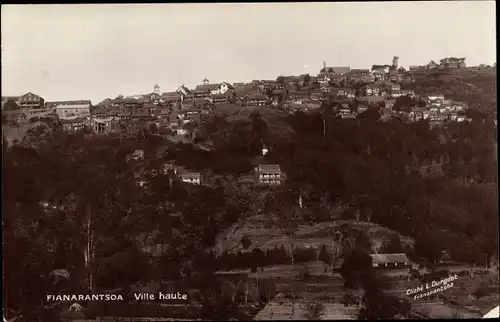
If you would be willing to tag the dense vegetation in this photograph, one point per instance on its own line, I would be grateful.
(438, 185)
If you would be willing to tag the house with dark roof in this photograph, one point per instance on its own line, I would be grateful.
(113, 111)
(31, 101)
(141, 114)
(170, 98)
(396, 76)
(98, 112)
(218, 99)
(125, 115)
(332, 74)
(268, 174)
(183, 90)
(74, 124)
(432, 64)
(202, 92)
(339, 70)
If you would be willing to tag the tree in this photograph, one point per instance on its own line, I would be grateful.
(353, 297)
(393, 246)
(267, 291)
(245, 288)
(356, 268)
(378, 244)
(479, 290)
(429, 245)
(371, 114)
(314, 310)
(297, 290)
(404, 101)
(307, 80)
(246, 242)
(219, 300)
(330, 253)
(280, 80)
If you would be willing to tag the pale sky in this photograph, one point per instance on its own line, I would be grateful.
(85, 51)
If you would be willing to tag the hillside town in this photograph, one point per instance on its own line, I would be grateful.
(178, 115)
(355, 90)
(280, 221)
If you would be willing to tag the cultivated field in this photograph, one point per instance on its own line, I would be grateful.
(284, 309)
(266, 232)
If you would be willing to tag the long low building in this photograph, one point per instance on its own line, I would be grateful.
(69, 111)
(390, 260)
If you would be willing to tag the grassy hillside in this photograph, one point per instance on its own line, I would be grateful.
(265, 232)
(474, 87)
(18, 132)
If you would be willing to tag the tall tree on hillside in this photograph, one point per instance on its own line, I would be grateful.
(314, 310)
(259, 132)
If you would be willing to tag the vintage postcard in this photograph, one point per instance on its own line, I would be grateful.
(250, 161)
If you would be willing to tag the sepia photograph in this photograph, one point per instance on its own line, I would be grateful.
(249, 161)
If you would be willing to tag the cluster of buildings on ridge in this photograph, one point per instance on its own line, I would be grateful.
(174, 113)
(378, 87)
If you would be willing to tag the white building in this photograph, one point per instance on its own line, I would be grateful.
(66, 111)
(268, 174)
(191, 177)
(435, 97)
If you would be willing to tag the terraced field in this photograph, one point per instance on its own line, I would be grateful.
(284, 309)
(265, 233)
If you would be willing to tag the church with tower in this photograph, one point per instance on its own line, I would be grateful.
(156, 90)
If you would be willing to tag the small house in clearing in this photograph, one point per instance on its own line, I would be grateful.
(390, 260)
(269, 174)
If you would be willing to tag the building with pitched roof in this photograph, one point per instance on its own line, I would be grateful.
(269, 174)
(390, 260)
(213, 89)
(30, 100)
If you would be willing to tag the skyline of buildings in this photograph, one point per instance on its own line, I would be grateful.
(97, 51)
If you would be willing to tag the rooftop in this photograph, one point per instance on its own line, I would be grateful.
(69, 106)
(337, 70)
(269, 168)
(389, 258)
